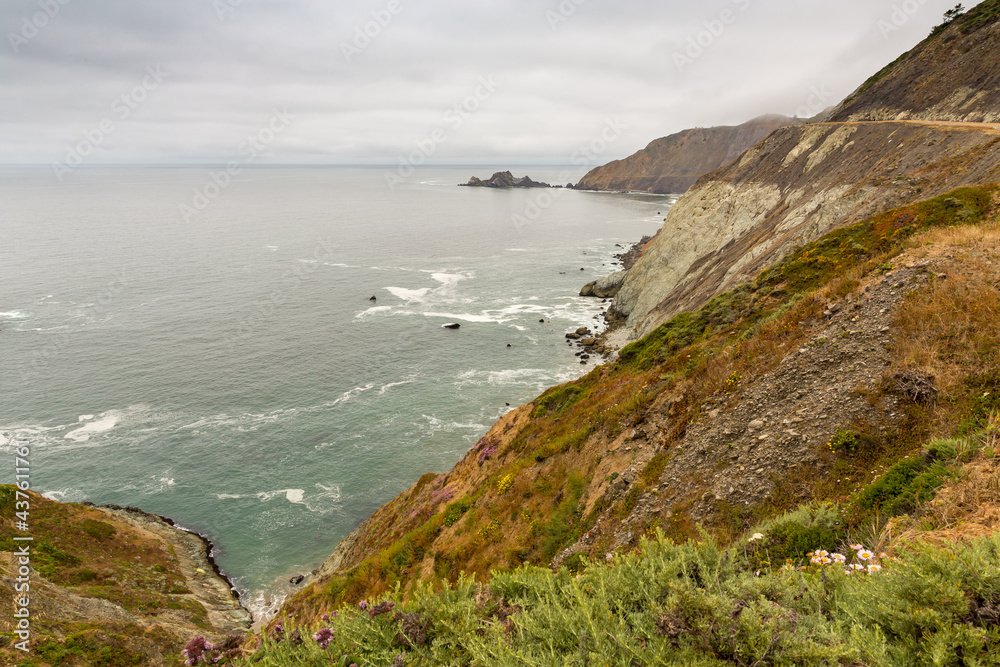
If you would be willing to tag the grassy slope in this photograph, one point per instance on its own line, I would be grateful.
(702, 358)
(78, 549)
(698, 604)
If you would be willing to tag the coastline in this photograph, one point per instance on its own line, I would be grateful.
(343, 550)
(194, 551)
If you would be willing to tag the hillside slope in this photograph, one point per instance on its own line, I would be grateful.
(110, 586)
(952, 75)
(807, 383)
(673, 164)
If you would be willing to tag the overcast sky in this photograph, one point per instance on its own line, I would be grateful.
(515, 81)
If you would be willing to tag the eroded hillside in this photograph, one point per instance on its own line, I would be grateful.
(793, 187)
(952, 75)
(671, 165)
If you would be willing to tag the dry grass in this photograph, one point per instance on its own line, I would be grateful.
(969, 507)
(951, 329)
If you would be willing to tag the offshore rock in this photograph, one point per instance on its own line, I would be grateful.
(504, 179)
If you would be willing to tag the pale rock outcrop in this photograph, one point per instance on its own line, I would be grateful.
(790, 189)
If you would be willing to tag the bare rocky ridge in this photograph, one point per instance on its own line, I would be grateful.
(917, 129)
(783, 422)
(673, 164)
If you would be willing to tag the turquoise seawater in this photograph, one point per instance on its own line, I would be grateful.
(228, 370)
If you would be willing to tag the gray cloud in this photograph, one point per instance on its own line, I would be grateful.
(563, 69)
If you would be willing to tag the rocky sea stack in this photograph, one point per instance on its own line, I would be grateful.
(504, 179)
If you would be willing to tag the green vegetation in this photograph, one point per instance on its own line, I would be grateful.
(689, 604)
(99, 530)
(103, 647)
(979, 16)
(747, 310)
(87, 553)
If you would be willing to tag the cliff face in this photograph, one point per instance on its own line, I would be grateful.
(793, 187)
(803, 181)
(952, 75)
(673, 164)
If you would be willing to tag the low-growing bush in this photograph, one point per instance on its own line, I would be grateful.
(690, 604)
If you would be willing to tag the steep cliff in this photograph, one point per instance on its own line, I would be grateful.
(813, 314)
(793, 187)
(952, 75)
(803, 181)
(673, 164)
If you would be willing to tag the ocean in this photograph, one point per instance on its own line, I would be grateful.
(218, 360)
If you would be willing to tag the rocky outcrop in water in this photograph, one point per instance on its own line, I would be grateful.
(504, 179)
(605, 287)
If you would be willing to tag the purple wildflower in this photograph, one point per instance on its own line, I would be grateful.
(323, 637)
(363, 605)
(381, 608)
(194, 650)
(487, 447)
(325, 617)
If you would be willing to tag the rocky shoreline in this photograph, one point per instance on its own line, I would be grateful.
(606, 344)
(194, 551)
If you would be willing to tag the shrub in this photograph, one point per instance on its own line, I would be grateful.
(688, 604)
(455, 510)
(798, 533)
(905, 485)
(97, 529)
